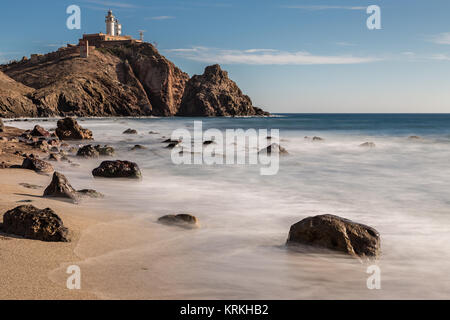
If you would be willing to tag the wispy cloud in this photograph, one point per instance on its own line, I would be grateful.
(324, 7)
(161, 18)
(440, 57)
(442, 38)
(113, 4)
(265, 57)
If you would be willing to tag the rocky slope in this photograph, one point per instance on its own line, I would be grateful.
(117, 80)
(13, 98)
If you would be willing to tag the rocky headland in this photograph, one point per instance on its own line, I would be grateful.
(118, 80)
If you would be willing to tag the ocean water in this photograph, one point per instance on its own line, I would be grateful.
(401, 187)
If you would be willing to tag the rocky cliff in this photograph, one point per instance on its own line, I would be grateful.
(116, 80)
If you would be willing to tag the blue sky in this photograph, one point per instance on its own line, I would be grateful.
(287, 55)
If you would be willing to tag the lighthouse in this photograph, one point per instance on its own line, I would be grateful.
(110, 24)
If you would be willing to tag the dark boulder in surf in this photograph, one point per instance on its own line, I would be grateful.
(180, 220)
(336, 233)
(69, 129)
(130, 131)
(88, 152)
(117, 169)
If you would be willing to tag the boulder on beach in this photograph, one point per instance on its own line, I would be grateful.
(88, 151)
(90, 193)
(130, 131)
(117, 169)
(60, 188)
(32, 223)
(38, 131)
(275, 148)
(39, 166)
(69, 129)
(336, 233)
(180, 220)
(368, 145)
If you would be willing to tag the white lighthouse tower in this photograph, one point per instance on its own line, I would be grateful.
(110, 24)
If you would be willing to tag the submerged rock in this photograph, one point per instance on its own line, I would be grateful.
(117, 169)
(69, 129)
(29, 222)
(105, 151)
(138, 147)
(336, 233)
(274, 147)
(172, 145)
(317, 139)
(88, 151)
(180, 220)
(90, 193)
(130, 131)
(368, 145)
(37, 165)
(60, 188)
(414, 138)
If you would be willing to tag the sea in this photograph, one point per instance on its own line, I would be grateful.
(399, 186)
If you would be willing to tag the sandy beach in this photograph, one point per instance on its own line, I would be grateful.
(26, 263)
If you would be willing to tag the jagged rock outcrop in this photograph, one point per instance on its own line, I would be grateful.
(69, 129)
(32, 223)
(60, 187)
(214, 94)
(336, 233)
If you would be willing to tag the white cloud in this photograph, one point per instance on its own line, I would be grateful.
(325, 7)
(265, 57)
(442, 38)
(161, 18)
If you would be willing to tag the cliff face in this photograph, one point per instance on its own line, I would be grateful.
(116, 80)
(14, 100)
(163, 82)
(214, 94)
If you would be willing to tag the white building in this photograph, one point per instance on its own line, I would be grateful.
(113, 27)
